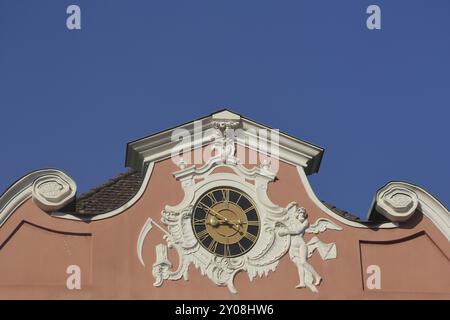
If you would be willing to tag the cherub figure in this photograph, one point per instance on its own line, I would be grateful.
(298, 251)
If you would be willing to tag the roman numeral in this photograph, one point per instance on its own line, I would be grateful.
(202, 235)
(250, 237)
(241, 247)
(226, 250)
(199, 222)
(213, 246)
(203, 206)
(248, 209)
(212, 198)
(237, 201)
(253, 223)
(225, 195)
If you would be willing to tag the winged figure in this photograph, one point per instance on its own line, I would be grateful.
(299, 251)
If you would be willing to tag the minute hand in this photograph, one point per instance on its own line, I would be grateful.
(214, 213)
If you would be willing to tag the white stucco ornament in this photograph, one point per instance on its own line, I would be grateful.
(282, 229)
(397, 203)
(54, 191)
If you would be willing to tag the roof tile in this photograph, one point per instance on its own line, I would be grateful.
(110, 195)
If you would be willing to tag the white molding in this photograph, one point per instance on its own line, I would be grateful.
(22, 190)
(399, 200)
(160, 146)
(114, 212)
(318, 203)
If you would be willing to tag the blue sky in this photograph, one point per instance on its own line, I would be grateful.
(377, 101)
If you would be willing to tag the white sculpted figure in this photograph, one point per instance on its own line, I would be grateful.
(224, 145)
(300, 251)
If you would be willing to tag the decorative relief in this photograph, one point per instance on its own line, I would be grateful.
(299, 251)
(54, 191)
(224, 146)
(224, 124)
(224, 136)
(282, 230)
(226, 120)
(397, 203)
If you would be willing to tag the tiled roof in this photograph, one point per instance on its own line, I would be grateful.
(111, 195)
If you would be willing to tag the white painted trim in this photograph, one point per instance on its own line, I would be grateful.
(117, 211)
(421, 199)
(159, 146)
(22, 190)
(318, 203)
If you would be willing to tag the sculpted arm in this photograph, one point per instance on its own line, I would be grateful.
(294, 230)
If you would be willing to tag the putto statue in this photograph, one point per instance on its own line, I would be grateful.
(300, 251)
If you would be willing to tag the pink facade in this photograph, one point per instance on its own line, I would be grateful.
(402, 254)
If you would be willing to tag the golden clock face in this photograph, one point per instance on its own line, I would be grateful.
(226, 222)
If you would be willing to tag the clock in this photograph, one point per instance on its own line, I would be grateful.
(226, 222)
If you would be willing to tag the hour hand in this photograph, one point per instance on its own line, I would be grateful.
(236, 223)
(214, 221)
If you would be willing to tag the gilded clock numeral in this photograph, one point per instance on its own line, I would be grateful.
(213, 246)
(212, 198)
(226, 250)
(241, 247)
(204, 207)
(202, 235)
(225, 195)
(253, 223)
(248, 209)
(250, 237)
(199, 222)
(238, 199)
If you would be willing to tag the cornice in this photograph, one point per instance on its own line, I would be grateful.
(160, 145)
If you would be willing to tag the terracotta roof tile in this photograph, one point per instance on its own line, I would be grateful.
(110, 195)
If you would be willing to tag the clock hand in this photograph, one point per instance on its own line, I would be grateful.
(221, 217)
(215, 221)
(234, 225)
(214, 213)
(238, 222)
